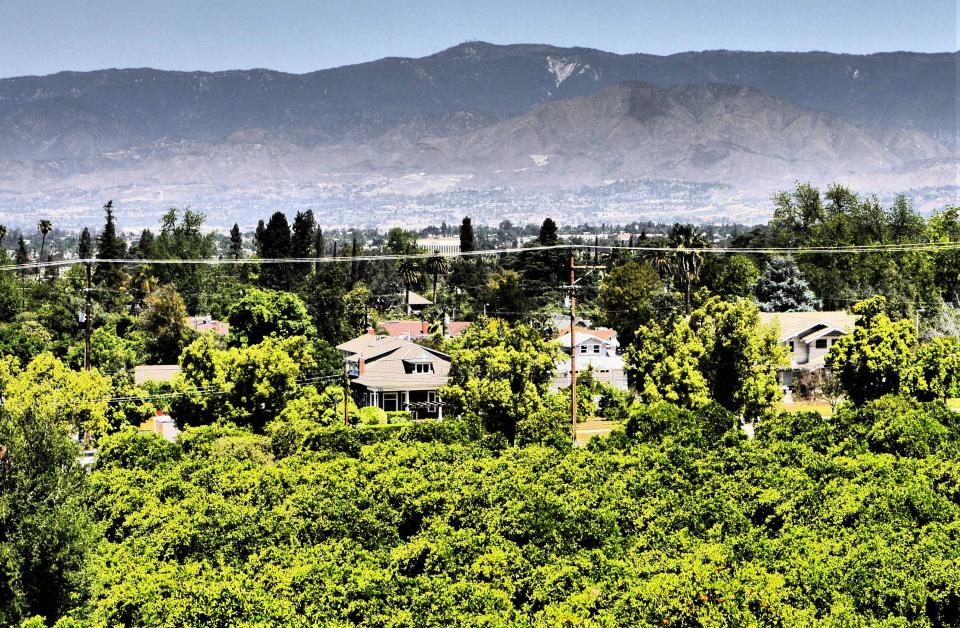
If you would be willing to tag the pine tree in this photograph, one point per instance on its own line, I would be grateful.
(109, 246)
(145, 247)
(782, 288)
(548, 233)
(303, 237)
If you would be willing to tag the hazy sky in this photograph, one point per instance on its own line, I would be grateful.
(43, 36)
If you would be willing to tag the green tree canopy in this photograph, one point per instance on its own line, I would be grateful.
(874, 360)
(263, 313)
(499, 374)
(164, 325)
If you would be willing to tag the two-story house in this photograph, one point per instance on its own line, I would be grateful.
(808, 336)
(597, 351)
(395, 374)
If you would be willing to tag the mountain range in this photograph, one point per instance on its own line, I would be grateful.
(479, 116)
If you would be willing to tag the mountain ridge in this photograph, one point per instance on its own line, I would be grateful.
(144, 129)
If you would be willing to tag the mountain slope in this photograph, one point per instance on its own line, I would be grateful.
(74, 114)
(711, 132)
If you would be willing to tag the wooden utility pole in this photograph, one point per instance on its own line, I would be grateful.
(573, 352)
(346, 395)
(86, 322)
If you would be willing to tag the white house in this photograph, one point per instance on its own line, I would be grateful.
(808, 336)
(598, 352)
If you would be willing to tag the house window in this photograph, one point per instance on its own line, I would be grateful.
(596, 348)
(583, 348)
(390, 402)
(821, 343)
(431, 396)
(791, 346)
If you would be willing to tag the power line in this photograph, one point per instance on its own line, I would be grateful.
(787, 250)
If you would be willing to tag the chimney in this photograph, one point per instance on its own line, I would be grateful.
(425, 328)
(361, 366)
(371, 331)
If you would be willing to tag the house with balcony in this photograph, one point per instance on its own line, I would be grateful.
(395, 374)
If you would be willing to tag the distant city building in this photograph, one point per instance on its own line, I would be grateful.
(441, 244)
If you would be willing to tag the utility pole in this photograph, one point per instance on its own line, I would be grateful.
(573, 338)
(86, 322)
(346, 395)
(573, 352)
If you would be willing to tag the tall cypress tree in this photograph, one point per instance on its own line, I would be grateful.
(468, 241)
(258, 237)
(236, 242)
(85, 250)
(319, 246)
(22, 256)
(275, 244)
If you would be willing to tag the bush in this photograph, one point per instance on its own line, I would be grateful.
(446, 432)
(372, 415)
(131, 449)
(400, 416)
(614, 403)
(703, 426)
(904, 427)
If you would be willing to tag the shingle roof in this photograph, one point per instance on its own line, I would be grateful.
(794, 324)
(388, 371)
(414, 329)
(418, 299)
(155, 373)
(369, 345)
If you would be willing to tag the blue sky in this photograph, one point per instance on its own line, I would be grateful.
(44, 36)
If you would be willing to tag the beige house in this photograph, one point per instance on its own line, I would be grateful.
(808, 336)
(396, 374)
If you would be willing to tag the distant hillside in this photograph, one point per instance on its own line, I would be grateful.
(479, 114)
(74, 114)
(706, 132)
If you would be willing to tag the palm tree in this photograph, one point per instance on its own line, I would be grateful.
(409, 271)
(437, 266)
(44, 228)
(685, 240)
